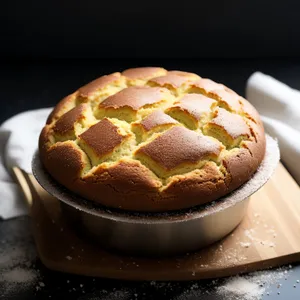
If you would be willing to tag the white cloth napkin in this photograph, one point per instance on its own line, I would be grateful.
(278, 104)
(18, 141)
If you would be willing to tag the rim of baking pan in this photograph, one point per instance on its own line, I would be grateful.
(259, 178)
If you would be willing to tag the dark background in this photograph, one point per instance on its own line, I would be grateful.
(50, 48)
(149, 29)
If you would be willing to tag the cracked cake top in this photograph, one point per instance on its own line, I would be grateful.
(148, 139)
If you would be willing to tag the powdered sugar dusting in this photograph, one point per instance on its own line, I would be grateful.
(17, 272)
(17, 257)
(114, 294)
(252, 286)
(249, 234)
(19, 275)
(239, 286)
(242, 287)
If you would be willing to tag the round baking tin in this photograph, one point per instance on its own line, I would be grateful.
(158, 234)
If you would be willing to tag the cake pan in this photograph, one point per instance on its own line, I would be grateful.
(158, 234)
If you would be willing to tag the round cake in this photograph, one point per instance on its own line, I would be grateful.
(152, 140)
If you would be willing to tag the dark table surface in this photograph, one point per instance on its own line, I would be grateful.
(35, 84)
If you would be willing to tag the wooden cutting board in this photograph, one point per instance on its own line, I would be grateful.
(268, 236)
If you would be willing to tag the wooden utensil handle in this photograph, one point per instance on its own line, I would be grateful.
(22, 179)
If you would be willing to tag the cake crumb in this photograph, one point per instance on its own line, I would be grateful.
(245, 245)
(272, 245)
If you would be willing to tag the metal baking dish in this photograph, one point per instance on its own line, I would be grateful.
(158, 234)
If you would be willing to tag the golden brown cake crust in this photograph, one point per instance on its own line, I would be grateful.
(133, 97)
(102, 137)
(148, 139)
(143, 73)
(97, 84)
(174, 80)
(62, 107)
(194, 104)
(179, 145)
(155, 119)
(66, 122)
